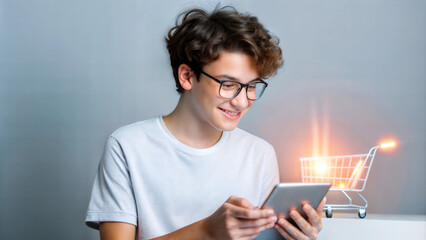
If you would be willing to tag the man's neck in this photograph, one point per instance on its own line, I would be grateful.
(191, 129)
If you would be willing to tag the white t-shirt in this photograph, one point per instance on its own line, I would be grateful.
(148, 178)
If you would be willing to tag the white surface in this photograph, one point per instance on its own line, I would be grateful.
(349, 226)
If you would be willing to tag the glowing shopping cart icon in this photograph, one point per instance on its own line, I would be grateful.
(348, 173)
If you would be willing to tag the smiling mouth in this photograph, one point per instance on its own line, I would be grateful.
(231, 114)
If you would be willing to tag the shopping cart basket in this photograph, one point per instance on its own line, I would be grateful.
(346, 174)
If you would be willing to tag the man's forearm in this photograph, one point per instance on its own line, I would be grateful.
(195, 231)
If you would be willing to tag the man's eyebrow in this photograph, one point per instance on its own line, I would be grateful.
(236, 79)
(228, 77)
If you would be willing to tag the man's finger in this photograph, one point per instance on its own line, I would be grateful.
(320, 207)
(241, 202)
(303, 225)
(313, 216)
(248, 223)
(245, 213)
(287, 230)
(283, 232)
(244, 232)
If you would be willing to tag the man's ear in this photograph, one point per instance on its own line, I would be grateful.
(186, 76)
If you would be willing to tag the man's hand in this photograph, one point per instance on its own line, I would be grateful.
(308, 229)
(237, 218)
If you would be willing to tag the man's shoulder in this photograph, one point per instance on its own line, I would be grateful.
(136, 130)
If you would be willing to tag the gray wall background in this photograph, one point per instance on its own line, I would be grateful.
(71, 72)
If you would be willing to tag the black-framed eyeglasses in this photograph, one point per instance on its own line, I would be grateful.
(231, 89)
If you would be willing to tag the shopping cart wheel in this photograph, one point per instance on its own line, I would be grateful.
(328, 212)
(362, 213)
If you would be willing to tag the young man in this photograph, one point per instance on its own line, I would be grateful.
(193, 174)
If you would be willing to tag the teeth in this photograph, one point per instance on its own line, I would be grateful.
(231, 113)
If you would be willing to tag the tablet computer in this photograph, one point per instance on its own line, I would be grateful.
(287, 196)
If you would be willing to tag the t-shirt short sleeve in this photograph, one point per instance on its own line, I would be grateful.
(112, 197)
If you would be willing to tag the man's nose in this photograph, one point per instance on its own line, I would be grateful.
(241, 101)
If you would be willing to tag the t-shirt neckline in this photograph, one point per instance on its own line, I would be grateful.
(185, 148)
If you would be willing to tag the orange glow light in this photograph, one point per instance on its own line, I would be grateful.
(387, 145)
(321, 167)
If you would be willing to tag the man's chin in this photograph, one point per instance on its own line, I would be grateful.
(228, 127)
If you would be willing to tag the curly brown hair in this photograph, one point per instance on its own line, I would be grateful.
(199, 37)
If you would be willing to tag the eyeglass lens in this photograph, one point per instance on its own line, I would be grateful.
(231, 89)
